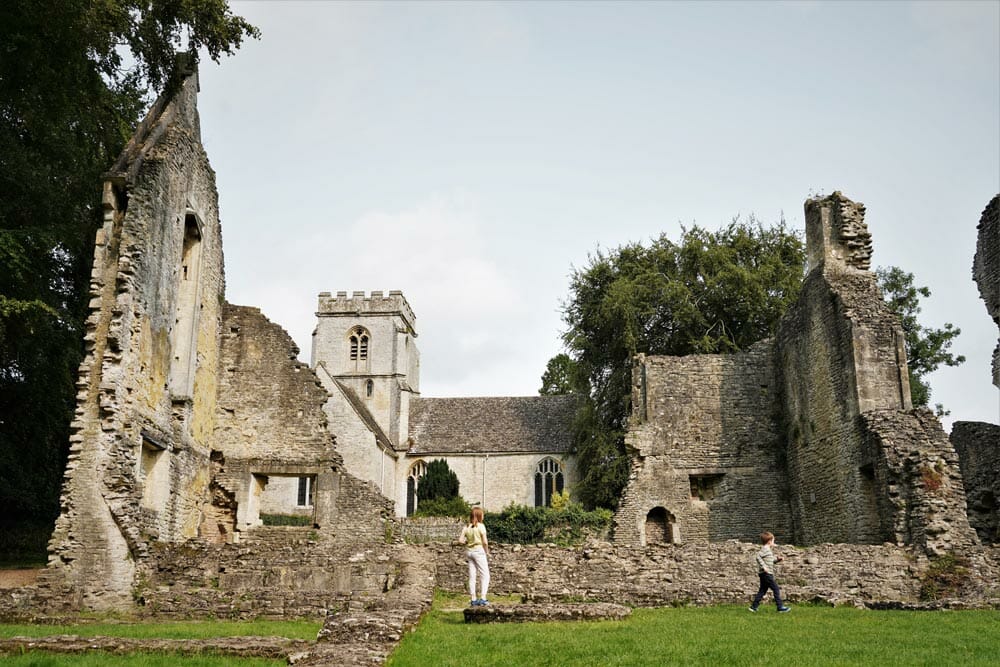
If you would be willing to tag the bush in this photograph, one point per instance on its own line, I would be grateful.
(438, 482)
(945, 577)
(456, 507)
(286, 520)
(519, 524)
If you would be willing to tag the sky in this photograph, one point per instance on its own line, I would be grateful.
(474, 154)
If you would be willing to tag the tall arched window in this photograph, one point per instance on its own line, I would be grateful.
(548, 480)
(417, 470)
(359, 344)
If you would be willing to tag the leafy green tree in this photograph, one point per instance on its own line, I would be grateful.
(559, 376)
(439, 482)
(74, 77)
(712, 292)
(926, 348)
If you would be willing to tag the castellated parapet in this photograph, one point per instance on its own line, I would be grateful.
(359, 304)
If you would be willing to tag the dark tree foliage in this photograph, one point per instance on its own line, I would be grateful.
(439, 482)
(559, 376)
(713, 292)
(926, 348)
(67, 106)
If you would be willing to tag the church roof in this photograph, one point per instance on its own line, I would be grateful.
(530, 424)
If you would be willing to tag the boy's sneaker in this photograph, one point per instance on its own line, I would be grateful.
(474, 603)
(753, 609)
(782, 610)
(483, 603)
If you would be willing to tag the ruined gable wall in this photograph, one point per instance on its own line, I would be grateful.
(710, 416)
(858, 455)
(986, 269)
(834, 498)
(162, 183)
(978, 448)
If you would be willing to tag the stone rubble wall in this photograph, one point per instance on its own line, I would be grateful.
(708, 416)
(920, 471)
(712, 573)
(124, 394)
(986, 270)
(275, 572)
(978, 447)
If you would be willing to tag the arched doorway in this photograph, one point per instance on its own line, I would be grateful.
(659, 528)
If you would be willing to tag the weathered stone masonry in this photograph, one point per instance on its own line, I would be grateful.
(811, 435)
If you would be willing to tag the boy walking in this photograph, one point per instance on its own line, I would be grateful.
(765, 560)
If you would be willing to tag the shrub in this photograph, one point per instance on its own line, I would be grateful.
(456, 507)
(944, 577)
(438, 482)
(286, 520)
(519, 524)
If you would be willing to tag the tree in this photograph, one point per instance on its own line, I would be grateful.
(713, 292)
(926, 348)
(559, 376)
(439, 482)
(67, 105)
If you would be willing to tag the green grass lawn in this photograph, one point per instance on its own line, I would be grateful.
(709, 636)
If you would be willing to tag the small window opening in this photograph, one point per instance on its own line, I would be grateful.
(369, 388)
(705, 487)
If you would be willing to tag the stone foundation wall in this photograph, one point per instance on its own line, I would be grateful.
(978, 447)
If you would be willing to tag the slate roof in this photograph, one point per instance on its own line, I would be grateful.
(529, 424)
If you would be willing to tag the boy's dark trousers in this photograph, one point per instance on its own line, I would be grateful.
(767, 582)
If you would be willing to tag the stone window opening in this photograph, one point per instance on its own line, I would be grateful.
(549, 479)
(359, 339)
(417, 470)
(307, 492)
(660, 527)
(705, 487)
(185, 330)
(369, 388)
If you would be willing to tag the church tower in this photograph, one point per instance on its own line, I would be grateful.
(365, 344)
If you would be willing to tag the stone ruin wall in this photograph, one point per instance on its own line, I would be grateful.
(128, 401)
(978, 448)
(715, 573)
(986, 270)
(707, 421)
(835, 497)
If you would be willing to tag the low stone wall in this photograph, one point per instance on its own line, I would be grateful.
(419, 530)
(711, 573)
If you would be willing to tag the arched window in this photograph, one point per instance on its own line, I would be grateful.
(369, 388)
(359, 344)
(417, 470)
(184, 335)
(548, 480)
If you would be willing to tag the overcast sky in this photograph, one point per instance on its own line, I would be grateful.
(472, 154)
